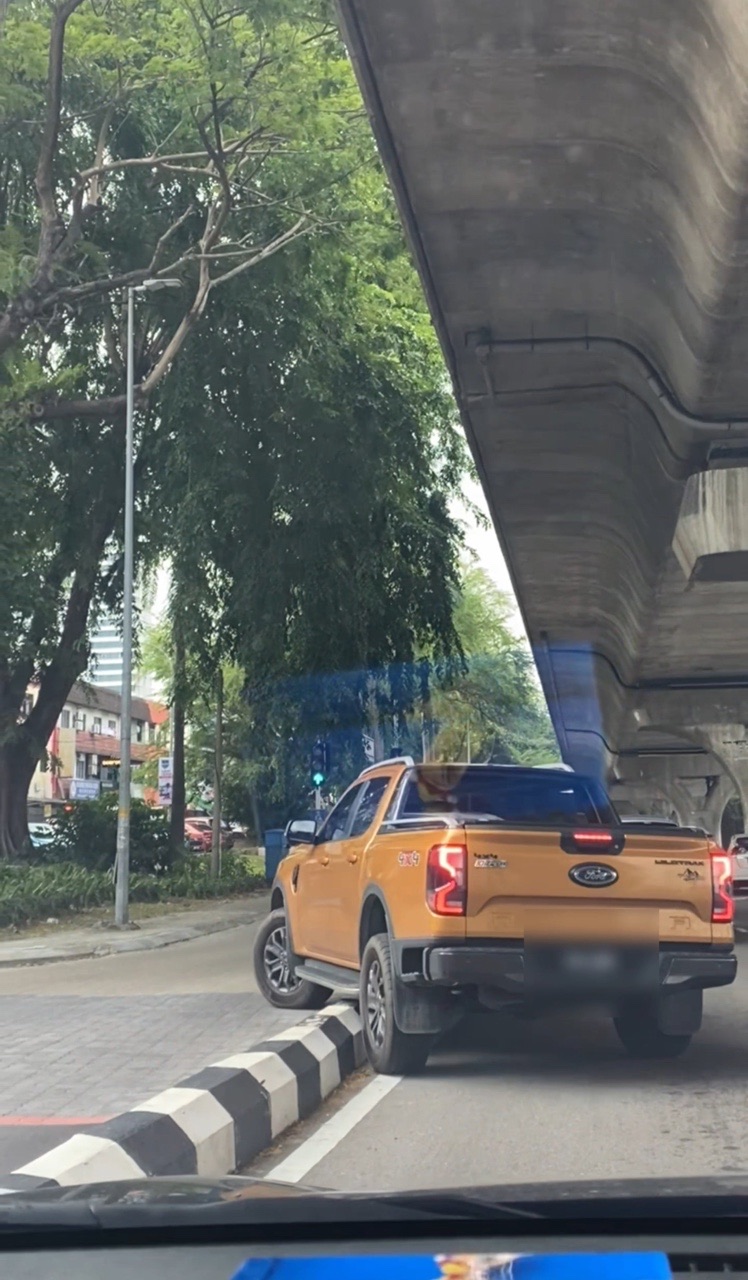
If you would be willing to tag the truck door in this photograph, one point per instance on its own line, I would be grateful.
(317, 909)
(351, 853)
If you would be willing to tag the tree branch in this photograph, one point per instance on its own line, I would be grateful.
(300, 228)
(94, 191)
(112, 350)
(45, 184)
(101, 408)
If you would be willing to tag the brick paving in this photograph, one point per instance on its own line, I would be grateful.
(97, 1055)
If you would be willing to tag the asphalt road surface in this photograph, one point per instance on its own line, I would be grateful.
(504, 1102)
(82, 1040)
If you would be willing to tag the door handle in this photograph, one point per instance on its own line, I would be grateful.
(323, 860)
(353, 857)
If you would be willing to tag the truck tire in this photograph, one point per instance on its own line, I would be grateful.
(641, 1036)
(273, 973)
(390, 1051)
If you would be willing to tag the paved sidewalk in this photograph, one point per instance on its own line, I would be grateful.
(158, 931)
(94, 1056)
(87, 1039)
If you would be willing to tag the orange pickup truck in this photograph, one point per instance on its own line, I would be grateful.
(430, 888)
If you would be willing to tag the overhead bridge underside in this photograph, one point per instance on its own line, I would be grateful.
(573, 178)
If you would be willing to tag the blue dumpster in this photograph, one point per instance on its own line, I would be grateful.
(275, 849)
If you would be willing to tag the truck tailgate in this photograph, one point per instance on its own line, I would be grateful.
(521, 883)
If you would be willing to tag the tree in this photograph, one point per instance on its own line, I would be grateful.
(490, 699)
(136, 138)
(492, 710)
(313, 544)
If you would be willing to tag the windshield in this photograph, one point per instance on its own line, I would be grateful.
(373, 586)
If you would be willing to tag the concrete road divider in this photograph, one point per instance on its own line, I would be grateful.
(216, 1121)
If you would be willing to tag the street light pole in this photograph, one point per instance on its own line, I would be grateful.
(122, 860)
(122, 857)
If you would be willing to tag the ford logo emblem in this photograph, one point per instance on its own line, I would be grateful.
(593, 875)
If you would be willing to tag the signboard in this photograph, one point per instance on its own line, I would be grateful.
(368, 747)
(165, 779)
(85, 788)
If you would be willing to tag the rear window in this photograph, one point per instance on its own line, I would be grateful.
(535, 798)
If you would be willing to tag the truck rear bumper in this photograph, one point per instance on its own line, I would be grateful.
(517, 969)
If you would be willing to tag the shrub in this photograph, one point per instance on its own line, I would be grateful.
(87, 835)
(29, 893)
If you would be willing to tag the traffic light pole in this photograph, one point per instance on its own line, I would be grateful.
(320, 770)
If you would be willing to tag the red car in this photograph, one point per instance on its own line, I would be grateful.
(198, 834)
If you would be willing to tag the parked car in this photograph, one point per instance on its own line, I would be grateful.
(204, 827)
(739, 853)
(197, 837)
(41, 834)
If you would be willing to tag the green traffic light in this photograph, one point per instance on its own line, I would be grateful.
(318, 778)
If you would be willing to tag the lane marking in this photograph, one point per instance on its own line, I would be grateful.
(298, 1164)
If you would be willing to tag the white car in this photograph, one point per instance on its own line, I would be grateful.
(739, 850)
(41, 834)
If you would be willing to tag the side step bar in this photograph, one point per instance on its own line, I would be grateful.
(344, 981)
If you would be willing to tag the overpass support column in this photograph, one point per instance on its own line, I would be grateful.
(729, 743)
(718, 794)
(687, 809)
(703, 808)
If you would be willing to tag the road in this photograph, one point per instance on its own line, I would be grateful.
(85, 1039)
(499, 1101)
(503, 1101)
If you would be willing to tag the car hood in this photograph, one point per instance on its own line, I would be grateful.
(232, 1200)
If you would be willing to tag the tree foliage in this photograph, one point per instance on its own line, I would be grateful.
(304, 419)
(487, 706)
(491, 710)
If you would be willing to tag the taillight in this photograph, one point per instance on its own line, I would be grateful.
(446, 879)
(723, 904)
(593, 839)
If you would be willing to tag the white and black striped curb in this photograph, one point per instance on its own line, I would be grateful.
(215, 1122)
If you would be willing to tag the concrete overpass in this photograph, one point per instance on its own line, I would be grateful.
(573, 179)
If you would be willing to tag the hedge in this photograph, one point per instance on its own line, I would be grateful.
(87, 835)
(33, 893)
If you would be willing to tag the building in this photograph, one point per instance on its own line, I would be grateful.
(105, 671)
(83, 753)
(106, 656)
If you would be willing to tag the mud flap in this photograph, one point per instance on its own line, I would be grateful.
(424, 1011)
(679, 1013)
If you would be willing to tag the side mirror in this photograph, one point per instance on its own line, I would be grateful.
(301, 831)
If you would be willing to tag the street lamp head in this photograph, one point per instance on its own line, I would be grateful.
(152, 286)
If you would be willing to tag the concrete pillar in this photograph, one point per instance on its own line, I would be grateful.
(718, 794)
(729, 743)
(701, 803)
(711, 539)
(681, 800)
(637, 798)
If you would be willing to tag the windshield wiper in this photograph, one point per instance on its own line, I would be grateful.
(459, 1205)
